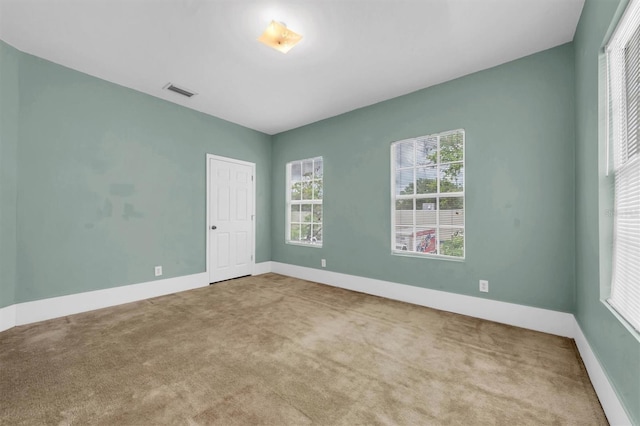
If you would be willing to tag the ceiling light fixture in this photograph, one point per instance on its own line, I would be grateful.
(278, 36)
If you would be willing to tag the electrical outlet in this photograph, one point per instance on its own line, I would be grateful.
(323, 262)
(158, 270)
(484, 286)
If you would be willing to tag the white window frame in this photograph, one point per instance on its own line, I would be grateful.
(624, 297)
(438, 195)
(313, 202)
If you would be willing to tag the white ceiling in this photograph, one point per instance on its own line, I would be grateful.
(354, 52)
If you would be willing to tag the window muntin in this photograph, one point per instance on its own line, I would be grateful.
(428, 195)
(623, 59)
(304, 202)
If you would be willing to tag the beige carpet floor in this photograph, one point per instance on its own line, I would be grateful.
(281, 351)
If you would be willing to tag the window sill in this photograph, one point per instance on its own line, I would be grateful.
(404, 253)
(293, 243)
(622, 320)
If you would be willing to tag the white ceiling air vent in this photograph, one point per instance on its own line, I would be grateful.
(180, 90)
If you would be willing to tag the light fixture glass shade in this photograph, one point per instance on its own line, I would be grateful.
(278, 36)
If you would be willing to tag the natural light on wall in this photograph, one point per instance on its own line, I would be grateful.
(623, 59)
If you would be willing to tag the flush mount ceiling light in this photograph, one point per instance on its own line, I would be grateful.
(278, 36)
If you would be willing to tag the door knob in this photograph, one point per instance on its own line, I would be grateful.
(214, 227)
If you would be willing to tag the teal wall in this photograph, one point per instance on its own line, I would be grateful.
(111, 182)
(614, 345)
(9, 106)
(519, 123)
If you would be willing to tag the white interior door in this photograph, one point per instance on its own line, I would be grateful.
(230, 211)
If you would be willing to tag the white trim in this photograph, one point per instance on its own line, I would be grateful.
(545, 320)
(253, 212)
(54, 307)
(303, 244)
(7, 317)
(607, 112)
(611, 405)
(44, 309)
(262, 268)
(626, 26)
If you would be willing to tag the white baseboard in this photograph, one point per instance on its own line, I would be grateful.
(261, 268)
(612, 406)
(44, 309)
(40, 310)
(548, 321)
(7, 317)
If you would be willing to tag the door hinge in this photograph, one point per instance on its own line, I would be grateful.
(252, 257)
(251, 178)
(251, 217)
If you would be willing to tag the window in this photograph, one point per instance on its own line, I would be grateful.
(623, 59)
(427, 213)
(304, 202)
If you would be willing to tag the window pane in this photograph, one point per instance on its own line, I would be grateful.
(426, 180)
(426, 212)
(295, 232)
(404, 154)
(307, 169)
(295, 213)
(317, 189)
(296, 191)
(427, 151)
(317, 234)
(632, 95)
(452, 211)
(305, 233)
(404, 238)
(307, 190)
(305, 214)
(426, 204)
(296, 171)
(317, 168)
(425, 240)
(317, 213)
(451, 147)
(452, 242)
(404, 212)
(452, 178)
(404, 182)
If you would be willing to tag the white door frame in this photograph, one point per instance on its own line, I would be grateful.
(253, 213)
